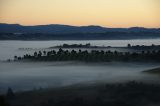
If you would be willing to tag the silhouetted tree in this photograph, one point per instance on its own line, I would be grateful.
(44, 53)
(10, 94)
(129, 45)
(15, 58)
(35, 54)
(39, 54)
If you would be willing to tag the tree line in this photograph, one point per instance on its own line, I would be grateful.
(92, 56)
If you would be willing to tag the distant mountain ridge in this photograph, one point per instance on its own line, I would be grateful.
(67, 32)
(62, 29)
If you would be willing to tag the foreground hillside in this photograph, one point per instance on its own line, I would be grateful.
(122, 94)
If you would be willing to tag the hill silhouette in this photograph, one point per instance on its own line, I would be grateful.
(65, 32)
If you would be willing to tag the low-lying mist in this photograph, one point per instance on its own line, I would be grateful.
(34, 75)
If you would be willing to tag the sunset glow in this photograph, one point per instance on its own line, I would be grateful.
(108, 13)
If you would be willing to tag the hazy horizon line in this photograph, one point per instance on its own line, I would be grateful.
(77, 25)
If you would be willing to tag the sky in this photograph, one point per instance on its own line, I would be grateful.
(107, 13)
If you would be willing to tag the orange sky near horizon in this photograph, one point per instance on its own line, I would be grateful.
(107, 13)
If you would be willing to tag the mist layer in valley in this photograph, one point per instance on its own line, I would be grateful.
(22, 76)
(8, 49)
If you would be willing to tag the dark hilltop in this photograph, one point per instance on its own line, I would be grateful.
(67, 32)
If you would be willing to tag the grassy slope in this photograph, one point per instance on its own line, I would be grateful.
(126, 94)
(153, 71)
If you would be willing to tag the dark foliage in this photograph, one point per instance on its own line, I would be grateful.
(93, 56)
(88, 45)
(127, 94)
(3, 101)
(10, 94)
